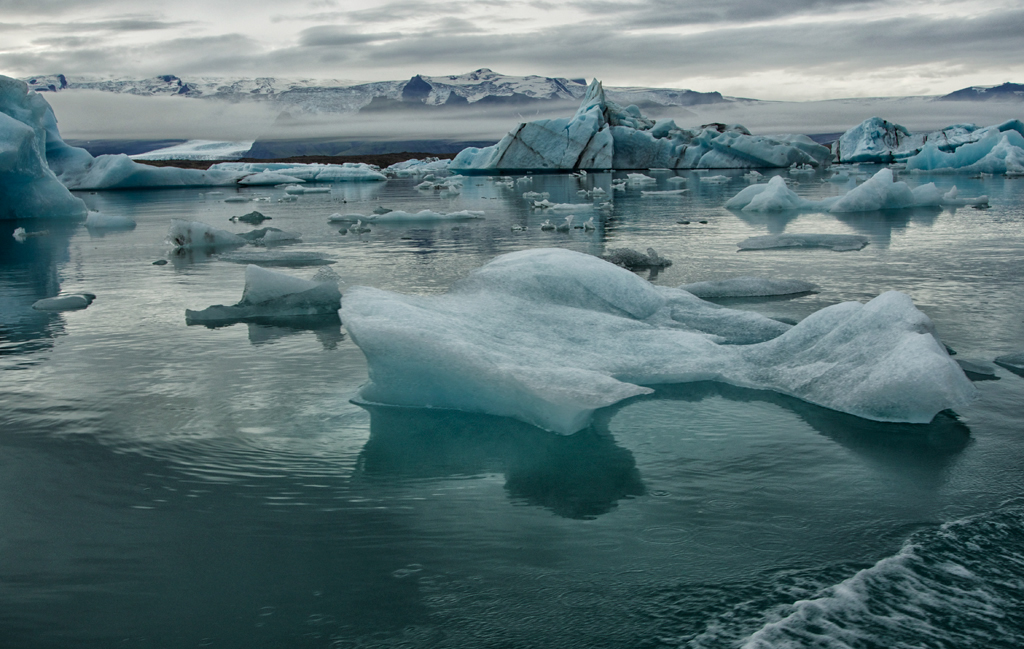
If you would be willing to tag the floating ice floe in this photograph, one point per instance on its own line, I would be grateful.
(837, 242)
(195, 235)
(290, 259)
(549, 336)
(416, 167)
(880, 192)
(266, 177)
(100, 221)
(748, 287)
(714, 180)
(977, 370)
(880, 141)
(254, 218)
(198, 150)
(636, 260)
(604, 135)
(28, 187)
(264, 236)
(272, 294)
(65, 302)
(297, 189)
(320, 173)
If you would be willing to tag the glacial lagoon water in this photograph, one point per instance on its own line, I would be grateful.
(165, 485)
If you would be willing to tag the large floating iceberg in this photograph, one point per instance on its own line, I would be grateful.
(548, 336)
(28, 188)
(271, 294)
(880, 192)
(604, 135)
(880, 141)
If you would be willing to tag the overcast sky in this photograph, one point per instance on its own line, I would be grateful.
(768, 49)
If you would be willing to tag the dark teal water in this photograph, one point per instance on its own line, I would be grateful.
(163, 485)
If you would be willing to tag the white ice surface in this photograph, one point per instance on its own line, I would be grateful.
(198, 150)
(195, 235)
(321, 173)
(399, 216)
(548, 336)
(64, 302)
(748, 287)
(269, 178)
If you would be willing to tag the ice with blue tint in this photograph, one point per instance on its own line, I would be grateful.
(321, 173)
(73, 302)
(267, 177)
(417, 167)
(877, 140)
(604, 135)
(272, 294)
(996, 153)
(880, 192)
(548, 336)
(748, 287)
(28, 188)
(75, 168)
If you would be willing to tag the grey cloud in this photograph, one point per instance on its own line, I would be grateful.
(670, 13)
(338, 36)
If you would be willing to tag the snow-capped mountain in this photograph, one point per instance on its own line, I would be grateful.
(1005, 92)
(482, 87)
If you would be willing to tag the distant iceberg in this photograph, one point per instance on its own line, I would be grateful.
(549, 336)
(321, 173)
(604, 135)
(198, 150)
(876, 140)
(28, 187)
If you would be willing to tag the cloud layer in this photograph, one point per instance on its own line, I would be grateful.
(779, 49)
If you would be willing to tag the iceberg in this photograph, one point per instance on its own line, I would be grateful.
(1012, 362)
(548, 336)
(748, 287)
(64, 302)
(604, 135)
(28, 187)
(636, 260)
(195, 235)
(268, 178)
(880, 192)
(263, 236)
(837, 242)
(416, 167)
(996, 153)
(876, 140)
(271, 294)
(315, 172)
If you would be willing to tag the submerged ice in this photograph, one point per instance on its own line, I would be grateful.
(548, 336)
(604, 135)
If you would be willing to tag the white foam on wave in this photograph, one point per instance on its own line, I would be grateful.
(956, 586)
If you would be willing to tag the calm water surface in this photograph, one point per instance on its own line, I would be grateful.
(164, 485)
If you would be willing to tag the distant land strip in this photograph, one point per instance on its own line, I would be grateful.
(380, 159)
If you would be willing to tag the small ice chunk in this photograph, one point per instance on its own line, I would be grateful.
(254, 218)
(640, 179)
(64, 302)
(100, 221)
(772, 197)
(1012, 362)
(714, 180)
(269, 235)
(748, 287)
(977, 370)
(634, 259)
(270, 293)
(191, 235)
(837, 242)
(238, 199)
(267, 177)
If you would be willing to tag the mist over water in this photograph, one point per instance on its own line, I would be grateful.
(179, 486)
